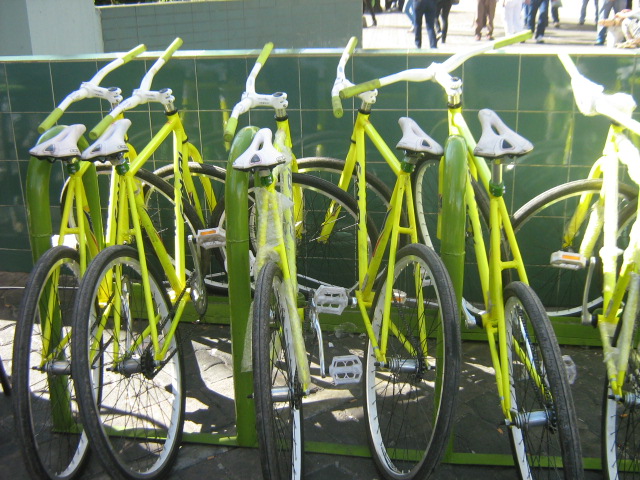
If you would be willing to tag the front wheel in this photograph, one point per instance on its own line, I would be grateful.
(410, 398)
(132, 403)
(278, 392)
(543, 431)
(621, 420)
(48, 426)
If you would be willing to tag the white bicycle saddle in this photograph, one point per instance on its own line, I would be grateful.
(111, 142)
(415, 140)
(498, 140)
(260, 154)
(62, 145)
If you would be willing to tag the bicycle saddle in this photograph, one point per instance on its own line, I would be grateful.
(260, 154)
(111, 142)
(415, 140)
(498, 140)
(64, 145)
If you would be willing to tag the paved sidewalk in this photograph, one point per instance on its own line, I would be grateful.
(392, 31)
(331, 415)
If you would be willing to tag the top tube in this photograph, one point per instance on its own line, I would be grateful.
(250, 99)
(592, 100)
(142, 94)
(438, 72)
(92, 89)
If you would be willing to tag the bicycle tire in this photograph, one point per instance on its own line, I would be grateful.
(560, 290)
(402, 446)
(550, 448)
(334, 262)
(47, 420)
(278, 393)
(620, 438)
(148, 436)
(331, 169)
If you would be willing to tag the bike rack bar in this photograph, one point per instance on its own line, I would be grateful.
(236, 205)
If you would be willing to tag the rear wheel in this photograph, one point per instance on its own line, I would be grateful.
(410, 400)
(561, 290)
(544, 433)
(48, 426)
(321, 260)
(278, 393)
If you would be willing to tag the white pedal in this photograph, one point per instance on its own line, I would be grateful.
(568, 260)
(331, 299)
(211, 238)
(346, 369)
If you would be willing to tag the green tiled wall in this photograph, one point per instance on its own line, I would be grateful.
(530, 92)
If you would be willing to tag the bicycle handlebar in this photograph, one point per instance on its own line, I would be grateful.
(591, 99)
(438, 72)
(92, 89)
(142, 94)
(249, 98)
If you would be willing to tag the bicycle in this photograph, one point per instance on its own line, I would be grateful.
(597, 234)
(48, 428)
(531, 380)
(127, 362)
(408, 310)
(280, 380)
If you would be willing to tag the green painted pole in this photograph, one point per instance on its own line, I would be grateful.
(37, 197)
(237, 215)
(452, 235)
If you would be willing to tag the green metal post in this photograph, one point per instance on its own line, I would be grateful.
(237, 215)
(452, 235)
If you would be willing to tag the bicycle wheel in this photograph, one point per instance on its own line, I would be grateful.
(320, 261)
(278, 393)
(410, 401)
(544, 434)
(621, 420)
(134, 413)
(561, 290)
(209, 182)
(48, 427)
(330, 169)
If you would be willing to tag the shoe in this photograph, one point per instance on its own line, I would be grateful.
(556, 24)
(478, 38)
(411, 30)
(375, 23)
(581, 22)
(489, 37)
(539, 40)
(418, 45)
(599, 44)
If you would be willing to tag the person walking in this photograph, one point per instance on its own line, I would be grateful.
(513, 22)
(537, 9)
(485, 13)
(366, 6)
(426, 9)
(603, 14)
(442, 18)
(583, 11)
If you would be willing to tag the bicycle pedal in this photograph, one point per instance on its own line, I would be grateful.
(211, 238)
(330, 299)
(346, 369)
(568, 260)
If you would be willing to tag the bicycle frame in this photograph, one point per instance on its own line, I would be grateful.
(368, 269)
(490, 266)
(603, 220)
(282, 243)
